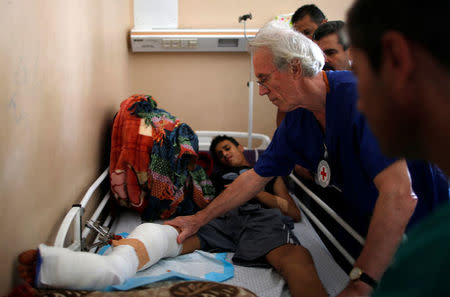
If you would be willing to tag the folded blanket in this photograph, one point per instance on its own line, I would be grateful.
(153, 162)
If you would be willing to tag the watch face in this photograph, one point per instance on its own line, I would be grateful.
(355, 273)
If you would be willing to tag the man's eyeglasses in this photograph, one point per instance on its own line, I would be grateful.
(264, 79)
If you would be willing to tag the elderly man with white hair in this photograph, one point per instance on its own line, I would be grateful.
(324, 132)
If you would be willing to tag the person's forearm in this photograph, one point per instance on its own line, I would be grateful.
(273, 201)
(385, 232)
(246, 186)
(388, 224)
(394, 207)
(267, 199)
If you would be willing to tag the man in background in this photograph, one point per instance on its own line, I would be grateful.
(307, 18)
(334, 43)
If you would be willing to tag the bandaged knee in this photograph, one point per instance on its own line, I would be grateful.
(160, 241)
(146, 245)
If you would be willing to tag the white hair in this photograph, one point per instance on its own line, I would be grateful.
(288, 45)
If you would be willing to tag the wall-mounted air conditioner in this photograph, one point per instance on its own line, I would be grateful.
(191, 40)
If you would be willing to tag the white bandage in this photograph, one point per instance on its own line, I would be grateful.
(159, 240)
(63, 268)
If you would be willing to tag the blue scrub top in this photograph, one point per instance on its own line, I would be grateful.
(354, 155)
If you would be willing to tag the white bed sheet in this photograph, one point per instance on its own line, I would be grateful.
(266, 282)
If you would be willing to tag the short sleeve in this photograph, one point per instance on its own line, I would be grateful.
(292, 144)
(270, 163)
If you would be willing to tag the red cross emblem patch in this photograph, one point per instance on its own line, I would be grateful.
(323, 174)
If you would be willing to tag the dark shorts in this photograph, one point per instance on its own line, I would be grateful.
(249, 231)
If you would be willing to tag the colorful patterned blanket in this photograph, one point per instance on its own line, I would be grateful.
(153, 162)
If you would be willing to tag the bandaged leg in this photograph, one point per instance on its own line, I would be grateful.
(146, 245)
(160, 241)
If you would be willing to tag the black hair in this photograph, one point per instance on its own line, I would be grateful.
(368, 20)
(216, 140)
(330, 28)
(313, 11)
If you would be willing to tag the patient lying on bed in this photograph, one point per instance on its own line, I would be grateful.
(258, 232)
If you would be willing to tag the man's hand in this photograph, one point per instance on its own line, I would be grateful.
(188, 226)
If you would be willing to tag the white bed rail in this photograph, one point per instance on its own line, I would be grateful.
(325, 231)
(332, 214)
(205, 138)
(330, 211)
(73, 217)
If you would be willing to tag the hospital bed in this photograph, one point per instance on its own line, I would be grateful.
(82, 229)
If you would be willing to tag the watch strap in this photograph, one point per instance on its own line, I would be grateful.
(368, 280)
(357, 274)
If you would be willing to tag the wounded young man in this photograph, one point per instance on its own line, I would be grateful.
(258, 232)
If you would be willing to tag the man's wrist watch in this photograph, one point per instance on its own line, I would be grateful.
(358, 274)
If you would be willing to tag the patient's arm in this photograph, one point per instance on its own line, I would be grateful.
(281, 199)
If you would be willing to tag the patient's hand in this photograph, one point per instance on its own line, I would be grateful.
(303, 172)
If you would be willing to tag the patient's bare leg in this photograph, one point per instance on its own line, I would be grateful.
(296, 265)
(190, 245)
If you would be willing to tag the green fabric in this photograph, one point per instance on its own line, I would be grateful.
(202, 182)
(421, 266)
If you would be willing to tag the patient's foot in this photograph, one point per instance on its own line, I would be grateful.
(27, 266)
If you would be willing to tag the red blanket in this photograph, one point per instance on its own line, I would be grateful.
(149, 162)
